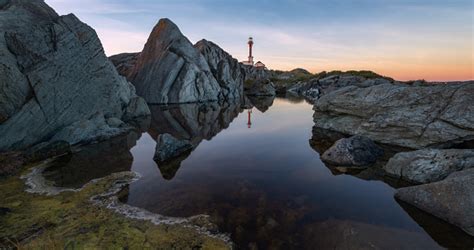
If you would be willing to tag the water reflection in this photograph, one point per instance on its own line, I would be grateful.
(93, 161)
(265, 185)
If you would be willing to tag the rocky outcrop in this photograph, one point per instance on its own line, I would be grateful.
(226, 69)
(168, 147)
(429, 165)
(400, 114)
(451, 199)
(356, 151)
(53, 72)
(314, 88)
(170, 70)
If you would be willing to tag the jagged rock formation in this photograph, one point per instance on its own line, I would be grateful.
(170, 70)
(429, 165)
(451, 199)
(356, 151)
(399, 114)
(227, 70)
(53, 73)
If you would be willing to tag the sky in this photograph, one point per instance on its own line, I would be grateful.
(403, 39)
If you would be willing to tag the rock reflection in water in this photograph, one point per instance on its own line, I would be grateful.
(194, 122)
(93, 161)
(443, 233)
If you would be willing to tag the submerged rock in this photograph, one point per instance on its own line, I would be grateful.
(53, 72)
(399, 114)
(168, 147)
(355, 151)
(429, 165)
(451, 199)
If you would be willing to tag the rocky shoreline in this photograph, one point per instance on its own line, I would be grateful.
(59, 91)
(434, 119)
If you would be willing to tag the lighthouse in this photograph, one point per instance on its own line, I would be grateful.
(250, 43)
(250, 61)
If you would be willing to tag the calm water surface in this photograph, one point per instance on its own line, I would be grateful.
(262, 183)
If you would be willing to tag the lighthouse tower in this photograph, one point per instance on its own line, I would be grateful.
(250, 43)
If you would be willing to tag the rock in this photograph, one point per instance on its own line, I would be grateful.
(314, 88)
(53, 72)
(415, 117)
(135, 109)
(259, 88)
(171, 70)
(124, 62)
(253, 73)
(47, 150)
(227, 70)
(355, 151)
(451, 199)
(168, 147)
(89, 130)
(429, 165)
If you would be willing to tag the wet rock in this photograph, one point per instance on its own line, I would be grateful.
(440, 115)
(171, 70)
(53, 72)
(168, 147)
(47, 150)
(226, 69)
(429, 165)
(451, 199)
(354, 151)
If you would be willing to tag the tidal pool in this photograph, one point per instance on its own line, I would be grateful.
(258, 174)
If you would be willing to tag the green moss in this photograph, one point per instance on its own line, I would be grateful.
(70, 220)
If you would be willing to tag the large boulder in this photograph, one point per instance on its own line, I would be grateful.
(451, 199)
(429, 165)
(168, 147)
(171, 70)
(439, 115)
(355, 151)
(53, 72)
(224, 67)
